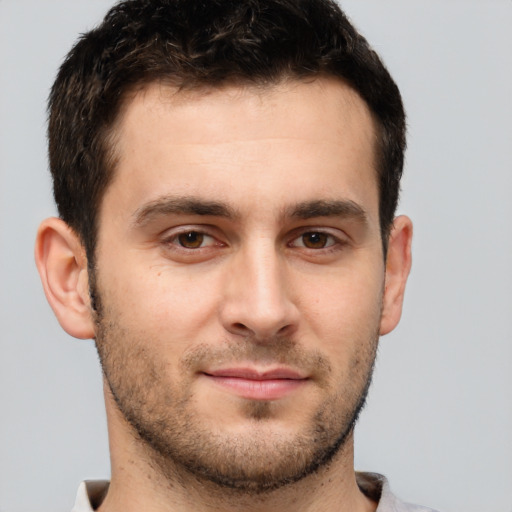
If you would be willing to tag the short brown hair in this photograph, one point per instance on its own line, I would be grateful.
(192, 43)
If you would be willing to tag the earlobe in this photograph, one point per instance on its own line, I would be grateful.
(398, 266)
(62, 265)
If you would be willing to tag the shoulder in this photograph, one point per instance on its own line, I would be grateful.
(376, 487)
(90, 495)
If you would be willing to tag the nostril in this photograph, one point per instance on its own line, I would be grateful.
(285, 330)
(240, 329)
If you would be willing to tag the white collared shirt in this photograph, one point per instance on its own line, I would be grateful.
(91, 493)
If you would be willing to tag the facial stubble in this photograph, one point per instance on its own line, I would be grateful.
(172, 433)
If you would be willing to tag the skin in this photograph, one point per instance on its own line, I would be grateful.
(242, 291)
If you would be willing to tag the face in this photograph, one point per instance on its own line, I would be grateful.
(240, 277)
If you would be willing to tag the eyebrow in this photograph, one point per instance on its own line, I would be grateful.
(189, 205)
(181, 205)
(328, 208)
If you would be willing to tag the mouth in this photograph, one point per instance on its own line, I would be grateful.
(254, 384)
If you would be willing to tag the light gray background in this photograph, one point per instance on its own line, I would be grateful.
(439, 418)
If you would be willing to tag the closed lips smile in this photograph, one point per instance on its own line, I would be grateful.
(257, 385)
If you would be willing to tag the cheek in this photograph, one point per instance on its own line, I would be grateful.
(345, 308)
(159, 301)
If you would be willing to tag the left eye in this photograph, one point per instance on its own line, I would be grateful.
(314, 240)
(193, 239)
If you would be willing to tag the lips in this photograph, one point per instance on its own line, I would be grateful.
(256, 384)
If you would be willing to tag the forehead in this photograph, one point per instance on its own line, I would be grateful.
(326, 99)
(284, 139)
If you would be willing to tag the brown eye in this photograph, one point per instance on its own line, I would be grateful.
(315, 240)
(191, 239)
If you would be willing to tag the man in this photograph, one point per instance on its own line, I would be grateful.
(226, 175)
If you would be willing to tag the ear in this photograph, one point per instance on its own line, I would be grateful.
(398, 266)
(62, 265)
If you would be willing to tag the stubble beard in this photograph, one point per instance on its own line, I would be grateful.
(174, 438)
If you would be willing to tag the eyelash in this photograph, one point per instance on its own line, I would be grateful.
(328, 239)
(174, 239)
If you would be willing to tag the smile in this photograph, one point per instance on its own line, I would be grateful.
(253, 385)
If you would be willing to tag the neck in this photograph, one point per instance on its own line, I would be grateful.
(142, 480)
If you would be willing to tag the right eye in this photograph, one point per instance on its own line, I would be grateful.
(190, 243)
(193, 240)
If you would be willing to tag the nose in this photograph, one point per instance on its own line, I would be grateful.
(258, 300)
